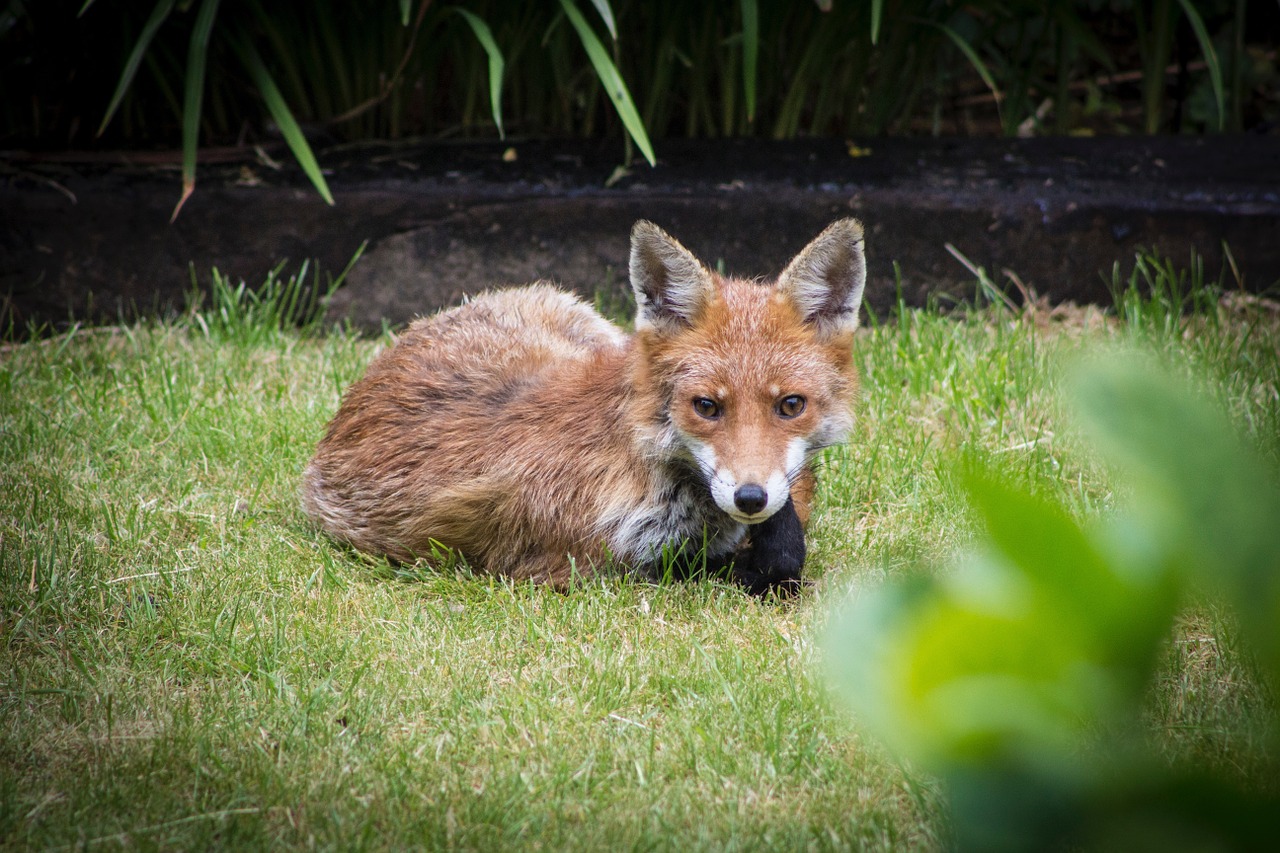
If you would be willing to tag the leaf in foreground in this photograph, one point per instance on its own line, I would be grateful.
(1019, 675)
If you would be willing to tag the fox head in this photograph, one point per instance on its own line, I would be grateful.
(751, 379)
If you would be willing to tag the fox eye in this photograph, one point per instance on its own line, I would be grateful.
(791, 406)
(706, 408)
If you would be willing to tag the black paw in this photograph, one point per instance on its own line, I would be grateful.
(775, 557)
(763, 585)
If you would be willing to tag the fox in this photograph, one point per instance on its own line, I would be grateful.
(524, 432)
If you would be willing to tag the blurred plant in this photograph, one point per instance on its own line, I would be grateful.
(1021, 676)
(1156, 23)
(250, 20)
(193, 97)
(333, 71)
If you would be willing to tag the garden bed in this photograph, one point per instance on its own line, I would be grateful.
(89, 237)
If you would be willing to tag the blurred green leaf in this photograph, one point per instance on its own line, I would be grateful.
(283, 117)
(496, 63)
(1019, 675)
(1011, 656)
(158, 16)
(877, 11)
(404, 12)
(610, 79)
(606, 15)
(1207, 501)
(197, 61)
(750, 53)
(974, 60)
(1120, 615)
(1210, 58)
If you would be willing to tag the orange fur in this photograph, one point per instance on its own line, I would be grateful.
(524, 431)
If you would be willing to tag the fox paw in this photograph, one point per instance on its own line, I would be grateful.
(763, 584)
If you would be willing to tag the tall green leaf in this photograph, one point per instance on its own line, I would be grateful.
(877, 10)
(610, 79)
(404, 12)
(606, 15)
(197, 61)
(750, 53)
(1210, 58)
(283, 116)
(158, 16)
(974, 60)
(496, 63)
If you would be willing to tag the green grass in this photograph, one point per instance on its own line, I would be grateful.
(187, 664)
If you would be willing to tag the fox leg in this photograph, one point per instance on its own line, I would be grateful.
(771, 559)
(776, 554)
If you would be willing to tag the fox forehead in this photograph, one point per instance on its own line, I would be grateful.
(747, 341)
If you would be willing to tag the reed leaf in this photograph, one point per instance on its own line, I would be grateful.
(877, 10)
(612, 81)
(158, 16)
(1155, 43)
(750, 53)
(197, 62)
(497, 64)
(1210, 58)
(283, 116)
(606, 15)
(974, 60)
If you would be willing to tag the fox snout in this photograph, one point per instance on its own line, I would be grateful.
(751, 493)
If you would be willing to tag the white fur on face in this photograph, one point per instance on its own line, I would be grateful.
(720, 480)
(778, 486)
(724, 483)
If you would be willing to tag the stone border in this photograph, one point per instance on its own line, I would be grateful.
(92, 240)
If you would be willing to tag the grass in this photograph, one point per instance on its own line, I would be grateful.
(186, 664)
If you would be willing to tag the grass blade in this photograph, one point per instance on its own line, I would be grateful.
(496, 63)
(158, 16)
(750, 53)
(1210, 58)
(283, 116)
(197, 62)
(610, 79)
(606, 15)
(404, 12)
(877, 8)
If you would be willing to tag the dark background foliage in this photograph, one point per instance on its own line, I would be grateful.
(389, 70)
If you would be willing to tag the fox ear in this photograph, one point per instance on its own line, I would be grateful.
(826, 279)
(671, 286)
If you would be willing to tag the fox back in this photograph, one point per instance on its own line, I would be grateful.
(530, 435)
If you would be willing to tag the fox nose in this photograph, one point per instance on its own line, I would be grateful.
(750, 498)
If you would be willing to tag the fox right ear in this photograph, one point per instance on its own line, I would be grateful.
(671, 286)
(825, 281)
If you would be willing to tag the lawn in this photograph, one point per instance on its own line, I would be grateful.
(187, 664)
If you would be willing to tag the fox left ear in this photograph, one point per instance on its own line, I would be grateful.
(825, 281)
(671, 286)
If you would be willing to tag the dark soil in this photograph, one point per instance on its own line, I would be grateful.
(88, 236)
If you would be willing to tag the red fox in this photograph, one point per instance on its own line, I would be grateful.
(527, 433)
